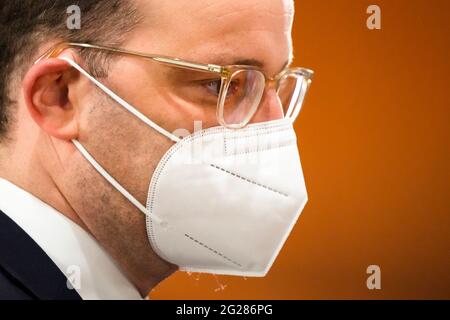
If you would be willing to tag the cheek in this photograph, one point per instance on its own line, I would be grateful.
(124, 146)
(144, 85)
(121, 143)
(168, 110)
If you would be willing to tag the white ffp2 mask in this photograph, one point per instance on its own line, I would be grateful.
(220, 201)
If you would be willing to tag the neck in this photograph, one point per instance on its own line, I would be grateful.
(23, 166)
(36, 167)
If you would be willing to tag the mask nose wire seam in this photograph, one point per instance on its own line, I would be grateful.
(114, 182)
(122, 102)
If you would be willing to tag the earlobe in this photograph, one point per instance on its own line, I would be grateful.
(46, 95)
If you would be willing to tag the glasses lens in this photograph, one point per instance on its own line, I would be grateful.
(289, 90)
(242, 97)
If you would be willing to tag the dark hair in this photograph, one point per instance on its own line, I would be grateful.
(27, 24)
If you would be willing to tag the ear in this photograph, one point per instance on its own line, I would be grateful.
(46, 94)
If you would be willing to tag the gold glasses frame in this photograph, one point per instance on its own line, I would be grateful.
(226, 73)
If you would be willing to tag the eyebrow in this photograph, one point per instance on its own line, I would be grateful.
(249, 62)
(259, 63)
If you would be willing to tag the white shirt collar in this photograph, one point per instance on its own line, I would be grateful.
(69, 246)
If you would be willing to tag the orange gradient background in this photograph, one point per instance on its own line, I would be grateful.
(374, 141)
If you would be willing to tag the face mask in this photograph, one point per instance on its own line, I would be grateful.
(220, 201)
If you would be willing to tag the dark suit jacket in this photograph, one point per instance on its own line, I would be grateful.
(26, 272)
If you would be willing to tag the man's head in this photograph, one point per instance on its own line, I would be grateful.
(49, 103)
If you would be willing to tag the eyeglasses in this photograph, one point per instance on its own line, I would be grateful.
(236, 91)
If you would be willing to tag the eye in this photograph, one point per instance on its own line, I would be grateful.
(213, 86)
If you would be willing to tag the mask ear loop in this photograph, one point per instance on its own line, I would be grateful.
(97, 166)
(114, 182)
